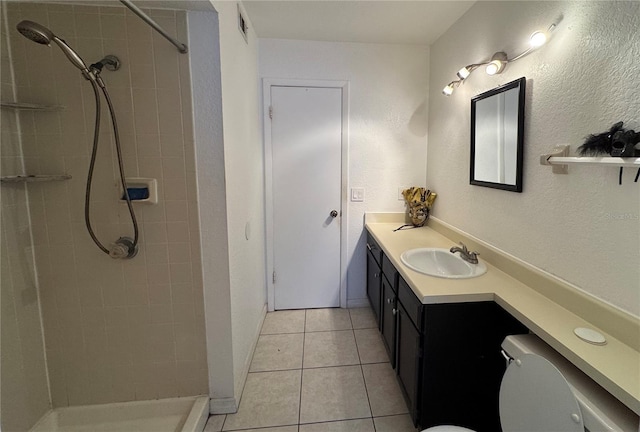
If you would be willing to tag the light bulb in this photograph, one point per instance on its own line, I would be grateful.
(463, 73)
(448, 90)
(493, 67)
(538, 39)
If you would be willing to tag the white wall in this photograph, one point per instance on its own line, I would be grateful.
(582, 227)
(387, 122)
(244, 176)
(212, 210)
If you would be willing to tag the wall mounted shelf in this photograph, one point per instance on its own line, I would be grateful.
(560, 160)
(34, 178)
(30, 106)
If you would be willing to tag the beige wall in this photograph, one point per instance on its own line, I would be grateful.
(114, 330)
(582, 227)
(25, 392)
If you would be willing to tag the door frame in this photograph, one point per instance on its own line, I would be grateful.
(267, 83)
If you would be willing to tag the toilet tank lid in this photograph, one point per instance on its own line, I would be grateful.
(600, 410)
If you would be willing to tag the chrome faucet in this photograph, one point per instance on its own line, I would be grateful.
(470, 257)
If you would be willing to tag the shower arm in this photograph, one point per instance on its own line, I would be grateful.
(136, 10)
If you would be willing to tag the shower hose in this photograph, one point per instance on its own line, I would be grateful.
(123, 182)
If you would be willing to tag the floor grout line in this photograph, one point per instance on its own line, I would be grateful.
(366, 390)
(355, 340)
(304, 335)
(303, 367)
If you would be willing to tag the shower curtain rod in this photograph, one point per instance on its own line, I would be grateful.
(136, 10)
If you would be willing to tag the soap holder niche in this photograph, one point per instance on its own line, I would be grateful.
(141, 190)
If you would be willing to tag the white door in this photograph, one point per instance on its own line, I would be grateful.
(306, 139)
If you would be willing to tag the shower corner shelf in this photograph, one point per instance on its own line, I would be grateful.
(30, 106)
(34, 178)
(560, 160)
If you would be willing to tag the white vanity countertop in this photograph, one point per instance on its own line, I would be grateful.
(615, 366)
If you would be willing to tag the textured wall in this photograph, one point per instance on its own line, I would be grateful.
(207, 113)
(581, 227)
(244, 173)
(25, 390)
(114, 330)
(387, 122)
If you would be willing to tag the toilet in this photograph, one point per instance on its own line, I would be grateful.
(541, 391)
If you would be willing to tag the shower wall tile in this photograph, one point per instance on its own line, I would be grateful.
(113, 26)
(114, 330)
(143, 76)
(87, 25)
(25, 393)
(138, 33)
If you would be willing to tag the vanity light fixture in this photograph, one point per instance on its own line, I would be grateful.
(466, 71)
(449, 87)
(538, 39)
(497, 63)
(499, 60)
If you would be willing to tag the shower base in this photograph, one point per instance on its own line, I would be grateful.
(188, 414)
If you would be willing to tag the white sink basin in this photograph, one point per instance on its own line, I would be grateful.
(441, 263)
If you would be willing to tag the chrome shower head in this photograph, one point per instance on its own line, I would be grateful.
(36, 32)
(42, 35)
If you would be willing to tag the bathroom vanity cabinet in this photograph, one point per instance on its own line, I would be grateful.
(462, 364)
(388, 308)
(447, 357)
(374, 276)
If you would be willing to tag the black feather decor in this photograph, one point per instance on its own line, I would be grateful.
(600, 143)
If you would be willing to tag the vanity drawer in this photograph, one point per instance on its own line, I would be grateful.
(390, 272)
(374, 248)
(411, 304)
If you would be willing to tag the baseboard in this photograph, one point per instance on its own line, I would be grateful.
(358, 303)
(247, 362)
(223, 406)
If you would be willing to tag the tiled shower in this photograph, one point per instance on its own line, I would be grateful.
(77, 326)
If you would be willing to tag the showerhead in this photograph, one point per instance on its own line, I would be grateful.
(36, 32)
(42, 35)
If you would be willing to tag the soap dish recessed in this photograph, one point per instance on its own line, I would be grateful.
(590, 335)
(141, 190)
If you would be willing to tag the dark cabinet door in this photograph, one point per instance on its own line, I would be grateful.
(389, 320)
(408, 361)
(462, 364)
(374, 285)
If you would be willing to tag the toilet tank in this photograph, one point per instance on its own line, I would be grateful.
(600, 410)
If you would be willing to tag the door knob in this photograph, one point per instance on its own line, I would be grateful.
(334, 213)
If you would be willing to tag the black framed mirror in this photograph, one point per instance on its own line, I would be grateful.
(497, 137)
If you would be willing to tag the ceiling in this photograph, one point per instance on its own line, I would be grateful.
(397, 22)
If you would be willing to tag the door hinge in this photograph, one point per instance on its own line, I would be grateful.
(271, 112)
(274, 276)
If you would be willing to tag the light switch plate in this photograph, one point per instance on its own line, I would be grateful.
(357, 194)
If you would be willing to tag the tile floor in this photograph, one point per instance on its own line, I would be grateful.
(319, 370)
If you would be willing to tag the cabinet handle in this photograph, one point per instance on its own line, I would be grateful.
(394, 311)
(376, 275)
(368, 246)
(388, 301)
